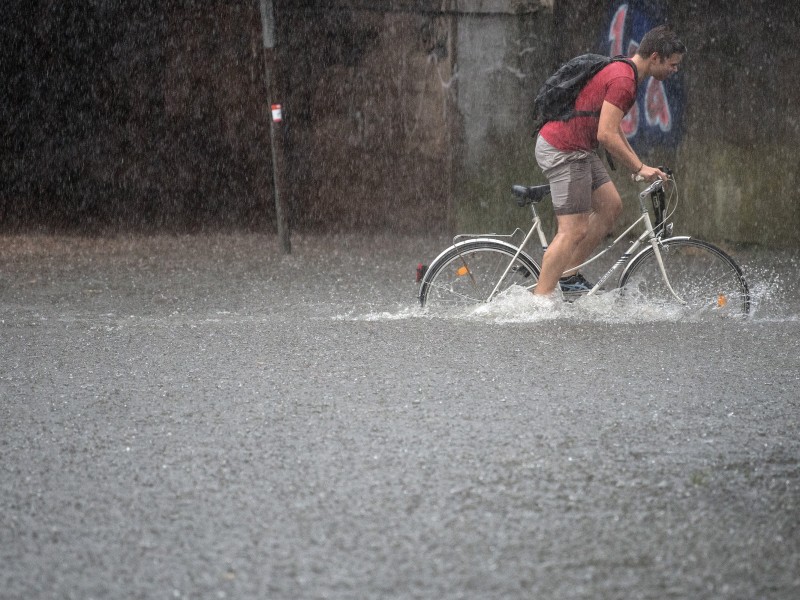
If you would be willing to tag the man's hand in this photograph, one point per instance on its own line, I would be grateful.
(649, 174)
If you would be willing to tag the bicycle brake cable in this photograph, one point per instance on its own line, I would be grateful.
(671, 206)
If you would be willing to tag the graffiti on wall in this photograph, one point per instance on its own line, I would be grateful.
(655, 119)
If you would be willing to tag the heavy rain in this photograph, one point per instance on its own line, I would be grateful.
(217, 380)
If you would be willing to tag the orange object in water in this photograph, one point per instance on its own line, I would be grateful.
(721, 300)
(462, 271)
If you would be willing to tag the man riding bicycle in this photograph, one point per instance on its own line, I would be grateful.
(585, 200)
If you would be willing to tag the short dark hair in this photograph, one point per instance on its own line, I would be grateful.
(661, 40)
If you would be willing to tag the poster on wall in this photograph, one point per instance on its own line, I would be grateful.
(656, 118)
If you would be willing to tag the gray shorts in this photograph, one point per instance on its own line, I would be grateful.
(573, 176)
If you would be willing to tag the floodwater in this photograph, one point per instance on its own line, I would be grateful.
(203, 417)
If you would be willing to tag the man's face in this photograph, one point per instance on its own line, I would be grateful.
(661, 68)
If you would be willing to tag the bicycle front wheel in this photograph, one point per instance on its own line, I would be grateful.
(705, 279)
(467, 273)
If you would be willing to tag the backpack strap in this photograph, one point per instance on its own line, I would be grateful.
(618, 58)
(625, 59)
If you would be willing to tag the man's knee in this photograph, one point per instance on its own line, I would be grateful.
(573, 231)
(582, 231)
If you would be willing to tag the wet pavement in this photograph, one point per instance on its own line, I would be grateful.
(202, 417)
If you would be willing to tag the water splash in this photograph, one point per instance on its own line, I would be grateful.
(771, 301)
(774, 294)
(520, 306)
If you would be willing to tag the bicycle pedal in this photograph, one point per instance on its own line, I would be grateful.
(573, 296)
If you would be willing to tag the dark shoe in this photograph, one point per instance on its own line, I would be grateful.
(575, 284)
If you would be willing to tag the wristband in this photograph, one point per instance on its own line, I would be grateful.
(639, 169)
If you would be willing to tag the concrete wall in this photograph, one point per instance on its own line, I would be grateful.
(399, 108)
(740, 124)
(740, 153)
(410, 115)
(736, 160)
(369, 114)
(493, 70)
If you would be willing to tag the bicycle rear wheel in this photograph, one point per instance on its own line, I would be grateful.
(702, 275)
(467, 273)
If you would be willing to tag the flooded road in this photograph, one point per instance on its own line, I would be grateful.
(202, 417)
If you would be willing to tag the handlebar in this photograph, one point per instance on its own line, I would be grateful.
(667, 170)
(656, 191)
(653, 187)
(657, 185)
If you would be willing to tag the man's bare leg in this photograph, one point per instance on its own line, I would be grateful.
(572, 230)
(606, 208)
(577, 236)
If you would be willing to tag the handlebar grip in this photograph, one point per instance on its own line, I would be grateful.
(667, 170)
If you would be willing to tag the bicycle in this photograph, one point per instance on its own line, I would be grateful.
(682, 270)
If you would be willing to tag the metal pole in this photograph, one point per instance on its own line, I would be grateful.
(276, 125)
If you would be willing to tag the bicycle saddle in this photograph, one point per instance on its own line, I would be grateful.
(527, 194)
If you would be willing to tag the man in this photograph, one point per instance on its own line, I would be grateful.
(586, 202)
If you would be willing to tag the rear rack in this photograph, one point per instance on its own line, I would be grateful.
(499, 236)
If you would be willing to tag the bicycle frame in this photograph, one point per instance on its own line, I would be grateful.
(648, 234)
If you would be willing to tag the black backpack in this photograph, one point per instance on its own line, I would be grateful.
(555, 100)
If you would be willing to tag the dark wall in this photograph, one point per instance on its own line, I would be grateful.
(117, 117)
(741, 120)
(744, 72)
(367, 118)
(741, 61)
(139, 114)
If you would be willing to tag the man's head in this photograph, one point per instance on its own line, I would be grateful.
(662, 49)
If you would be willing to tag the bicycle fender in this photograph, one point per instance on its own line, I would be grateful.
(463, 246)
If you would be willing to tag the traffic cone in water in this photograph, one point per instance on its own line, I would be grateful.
(421, 270)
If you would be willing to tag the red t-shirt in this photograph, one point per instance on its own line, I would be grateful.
(615, 83)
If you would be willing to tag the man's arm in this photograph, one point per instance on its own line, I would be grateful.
(609, 134)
